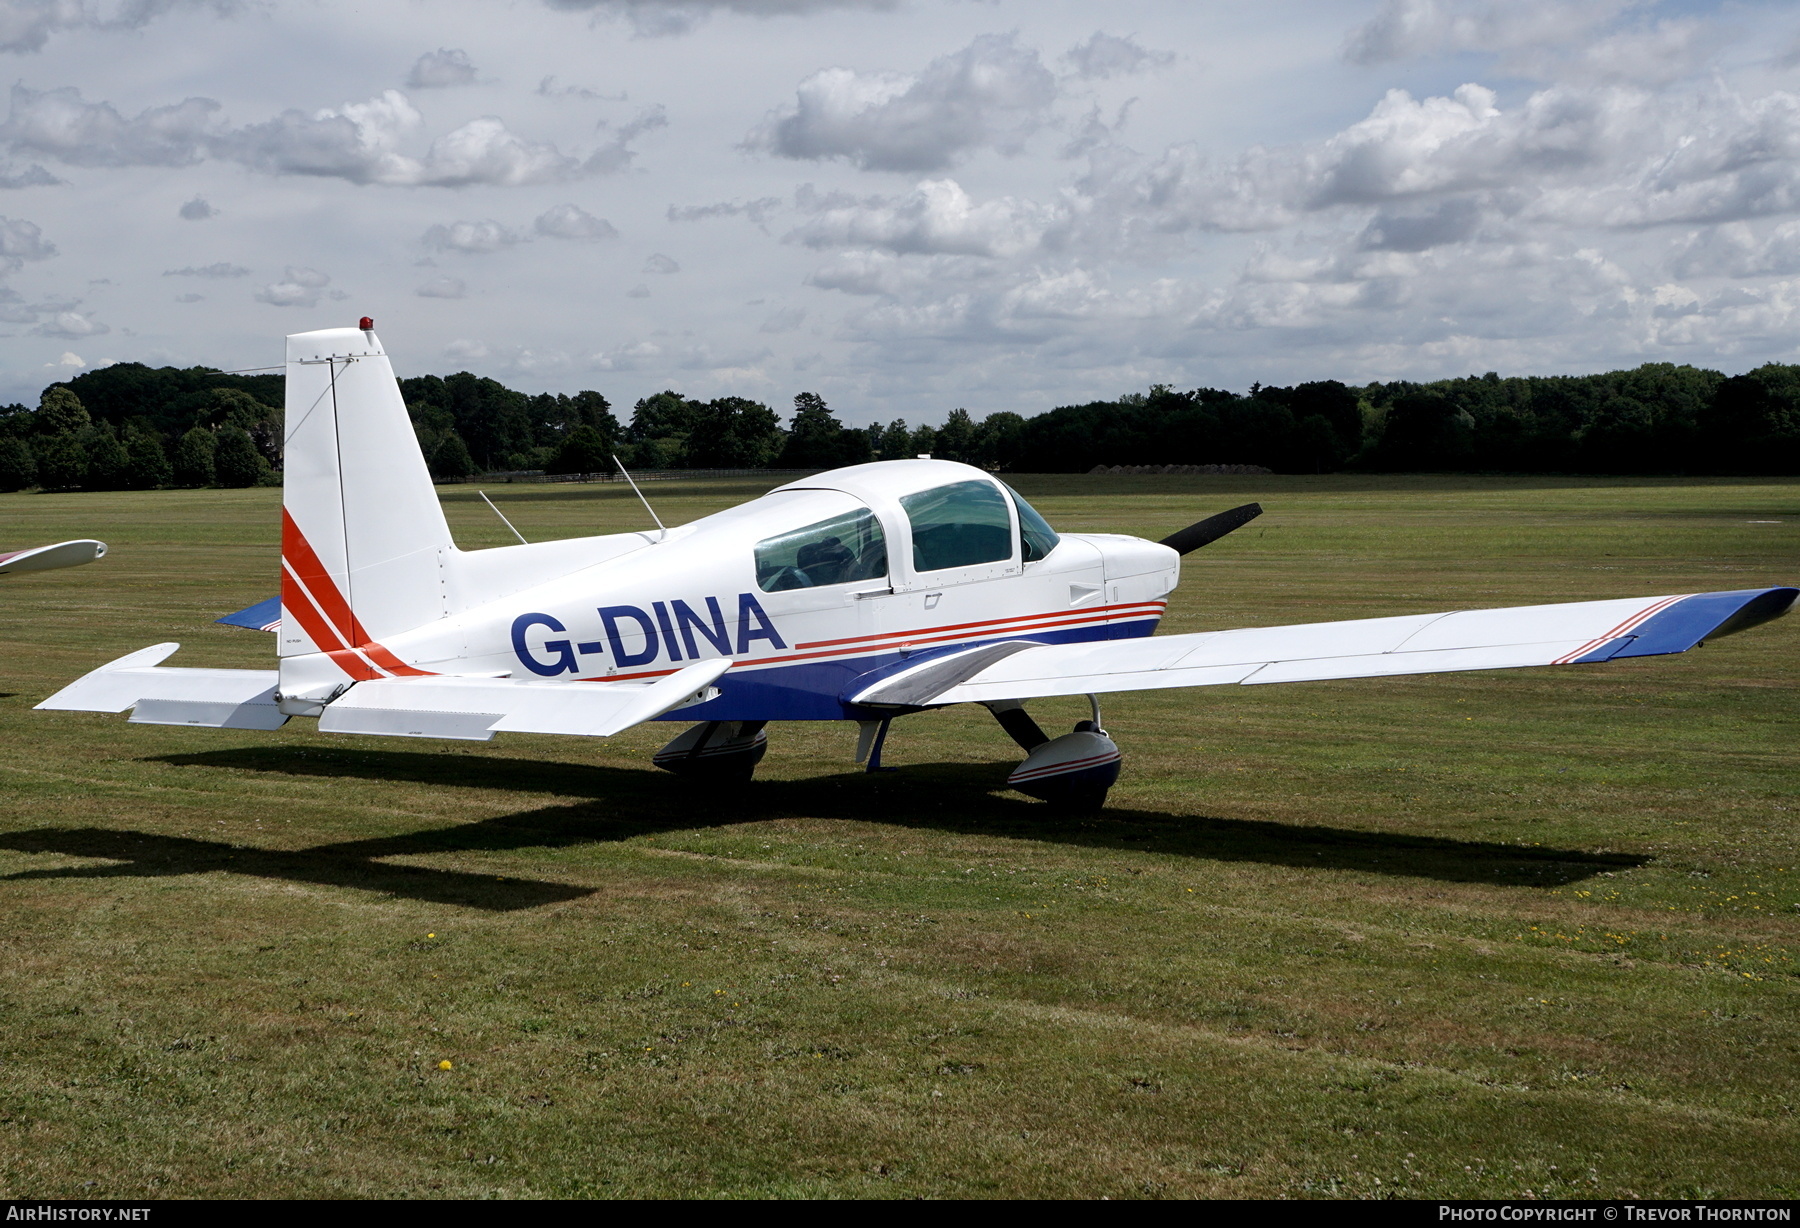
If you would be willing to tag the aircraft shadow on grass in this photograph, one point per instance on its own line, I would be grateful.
(628, 802)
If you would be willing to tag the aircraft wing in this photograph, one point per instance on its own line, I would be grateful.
(1574, 633)
(49, 558)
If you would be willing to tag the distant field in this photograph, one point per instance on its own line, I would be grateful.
(1493, 934)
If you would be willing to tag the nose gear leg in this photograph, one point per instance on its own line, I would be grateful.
(1018, 723)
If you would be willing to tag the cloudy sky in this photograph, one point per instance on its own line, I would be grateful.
(904, 205)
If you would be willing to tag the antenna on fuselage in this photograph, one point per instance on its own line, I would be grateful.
(640, 494)
(503, 519)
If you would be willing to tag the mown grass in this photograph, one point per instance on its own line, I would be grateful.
(1470, 935)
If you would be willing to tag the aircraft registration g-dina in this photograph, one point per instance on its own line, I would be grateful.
(860, 594)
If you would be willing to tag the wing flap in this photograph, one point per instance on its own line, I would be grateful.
(409, 722)
(474, 709)
(1584, 631)
(221, 714)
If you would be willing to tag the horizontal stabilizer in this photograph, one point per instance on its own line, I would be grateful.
(263, 616)
(474, 709)
(50, 558)
(1574, 633)
(213, 698)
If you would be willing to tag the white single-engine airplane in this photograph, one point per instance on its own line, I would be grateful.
(859, 594)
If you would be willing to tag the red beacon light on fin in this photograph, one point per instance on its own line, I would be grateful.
(367, 324)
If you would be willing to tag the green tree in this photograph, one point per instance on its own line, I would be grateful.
(817, 440)
(18, 467)
(583, 450)
(169, 399)
(448, 458)
(236, 460)
(194, 458)
(734, 433)
(922, 443)
(62, 462)
(956, 439)
(660, 425)
(232, 407)
(1753, 424)
(589, 408)
(235, 407)
(107, 459)
(147, 465)
(1318, 444)
(60, 412)
(895, 440)
(998, 441)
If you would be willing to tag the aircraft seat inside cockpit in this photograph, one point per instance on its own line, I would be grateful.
(836, 551)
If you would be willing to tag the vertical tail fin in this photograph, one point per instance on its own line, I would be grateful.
(362, 534)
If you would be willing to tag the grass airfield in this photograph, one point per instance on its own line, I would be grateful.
(1506, 934)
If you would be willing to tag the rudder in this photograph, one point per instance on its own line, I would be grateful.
(363, 538)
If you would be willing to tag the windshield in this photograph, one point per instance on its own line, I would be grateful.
(958, 525)
(836, 551)
(1036, 537)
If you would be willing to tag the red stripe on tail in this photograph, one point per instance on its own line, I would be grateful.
(308, 590)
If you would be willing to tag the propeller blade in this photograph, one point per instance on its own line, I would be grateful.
(1211, 529)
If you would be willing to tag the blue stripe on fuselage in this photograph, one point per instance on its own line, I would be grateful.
(810, 690)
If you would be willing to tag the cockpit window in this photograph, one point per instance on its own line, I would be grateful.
(958, 525)
(1036, 537)
(836, 551)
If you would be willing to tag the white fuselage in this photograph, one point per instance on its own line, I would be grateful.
(643, 604)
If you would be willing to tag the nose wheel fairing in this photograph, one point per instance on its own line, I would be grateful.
(1072, 772)
(718, 751)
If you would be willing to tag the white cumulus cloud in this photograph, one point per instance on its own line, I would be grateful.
(573, 222)
(300, 287)
(1103, 55)
(935, 217)
(471, 237)
(71, 324)
(60, 124)
(441, 69)
(26, 25)
(992, 94)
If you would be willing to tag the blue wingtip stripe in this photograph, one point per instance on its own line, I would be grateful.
(1682, 625)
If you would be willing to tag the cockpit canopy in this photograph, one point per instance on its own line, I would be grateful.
(961, 523)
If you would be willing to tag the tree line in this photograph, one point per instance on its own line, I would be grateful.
(135, 427)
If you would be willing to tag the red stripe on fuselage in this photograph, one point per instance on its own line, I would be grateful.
(990, 622)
